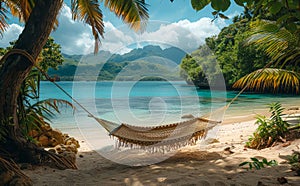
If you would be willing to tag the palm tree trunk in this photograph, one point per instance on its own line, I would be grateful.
(16, 67)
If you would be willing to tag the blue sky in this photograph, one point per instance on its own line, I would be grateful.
(170, 24)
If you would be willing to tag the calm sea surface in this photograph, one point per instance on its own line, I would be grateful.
(149, 103)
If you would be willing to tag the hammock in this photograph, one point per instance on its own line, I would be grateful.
(168, 137)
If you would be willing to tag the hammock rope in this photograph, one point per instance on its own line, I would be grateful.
(165, 137)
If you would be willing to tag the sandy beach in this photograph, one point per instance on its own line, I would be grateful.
(206, 163)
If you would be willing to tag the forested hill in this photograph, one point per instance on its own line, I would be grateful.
(174, 54)
(150, 61)
(228, 50)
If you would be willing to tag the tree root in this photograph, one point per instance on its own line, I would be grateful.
(11, 174)
(28, 152)
(60, 162)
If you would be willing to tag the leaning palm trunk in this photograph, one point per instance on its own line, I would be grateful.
(14, 69)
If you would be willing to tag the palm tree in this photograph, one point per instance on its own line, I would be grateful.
(39, 17)
(280, 44)
(270, 80)
(283, 47)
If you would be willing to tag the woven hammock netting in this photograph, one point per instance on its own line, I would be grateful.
(168, 137)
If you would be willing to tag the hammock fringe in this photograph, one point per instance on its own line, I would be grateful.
(160, 147)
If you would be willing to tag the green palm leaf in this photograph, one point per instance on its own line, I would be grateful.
(133, 12)
(3, 17)
(20, 8)
(89, 12)
(282, 45)
(270, 79)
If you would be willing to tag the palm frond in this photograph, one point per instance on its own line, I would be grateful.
(271, 80)
(21, 8)
(280, 44)
(49, 104)
(132, 12)
(3, 17)
(89, 12)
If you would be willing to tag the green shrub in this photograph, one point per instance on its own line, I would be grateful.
(32, 112)
(270, 129)
(255, 163)
(294, 161)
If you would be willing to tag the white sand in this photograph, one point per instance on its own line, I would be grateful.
(204, 164)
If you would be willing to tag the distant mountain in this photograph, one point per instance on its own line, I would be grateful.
(172, 53)
(150, 62)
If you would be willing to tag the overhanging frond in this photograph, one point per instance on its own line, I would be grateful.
(270, 80)
(132, 12)
(89, 12)
(20, 8)
(3, 17)
(278, 43)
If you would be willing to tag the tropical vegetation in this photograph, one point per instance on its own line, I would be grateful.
(282, 47)
(40, 19)
(266, 35)
(272, 80)
(270, 130)
(229, 52)
(294, 161)
(257, 164)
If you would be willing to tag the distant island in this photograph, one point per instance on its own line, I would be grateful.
(150, 63)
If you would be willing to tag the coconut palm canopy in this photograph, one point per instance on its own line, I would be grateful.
(270, 80)
(283, 47)
(132, 12)
(280, 44)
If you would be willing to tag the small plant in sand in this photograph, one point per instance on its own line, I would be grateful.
(255, 163)
(294, 161)
(270, 130)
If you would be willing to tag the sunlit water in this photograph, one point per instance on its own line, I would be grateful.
(149, 103)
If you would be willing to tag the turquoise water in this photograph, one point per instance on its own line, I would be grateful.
(149, 103)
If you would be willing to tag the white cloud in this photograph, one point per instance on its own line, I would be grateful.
(115, 39)
(73, 36)
(76, 37)
(185, 34)
(11, 34)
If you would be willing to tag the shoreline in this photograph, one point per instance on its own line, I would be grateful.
(203, 164)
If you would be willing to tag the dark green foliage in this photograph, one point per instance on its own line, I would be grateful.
(234, 58)
(294, 158)
(280, 44)
(51, 55)
(294, 161)
(32, 112)
(232, 55)
(199, 4)
(220, 5)
(255, 163)
(200, 67)
(269, 130)
(286, 12)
